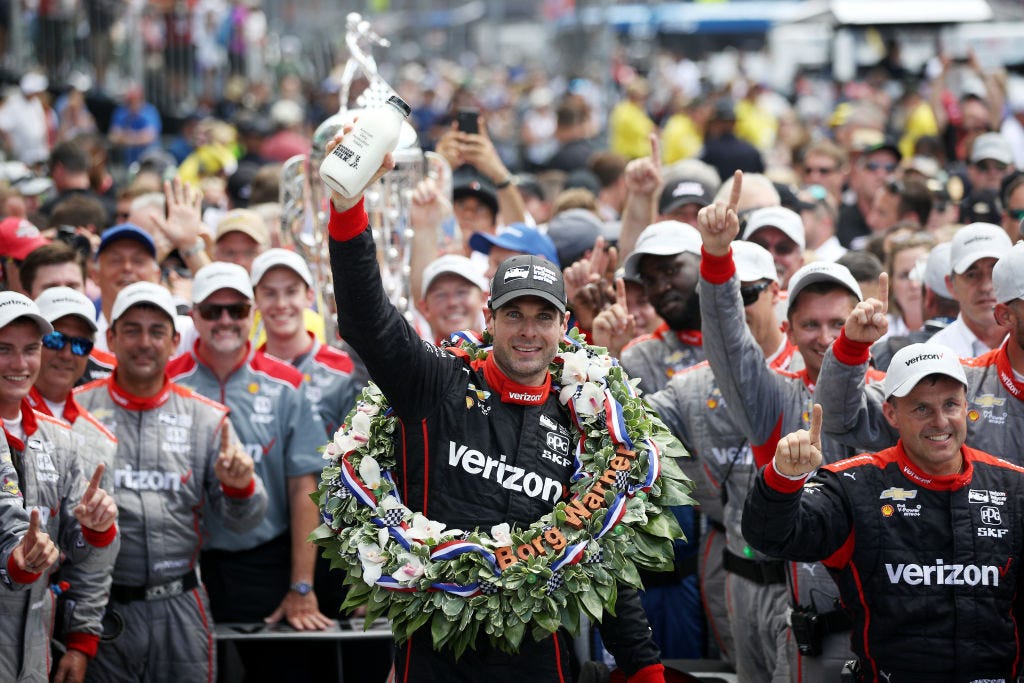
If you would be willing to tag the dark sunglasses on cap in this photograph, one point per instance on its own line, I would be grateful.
(877, 165)
(55, 341)
(213, 311)
(989, 165)
(751, 293)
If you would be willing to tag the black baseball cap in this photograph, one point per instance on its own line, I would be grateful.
(467, 181)
(682, 191)
(527, 275)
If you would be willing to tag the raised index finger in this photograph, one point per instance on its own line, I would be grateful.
(737, 188)
(655, 149)
(620, 293)
(883, 290)
(816, 425)
(225, 441)
(94, 483)
(33, 525)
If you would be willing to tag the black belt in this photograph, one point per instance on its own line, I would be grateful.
(717, 526)
(764, 572)
(836, 621)
(161, 591)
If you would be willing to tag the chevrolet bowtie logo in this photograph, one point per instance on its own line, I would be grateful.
(988, 401)
(898, 494)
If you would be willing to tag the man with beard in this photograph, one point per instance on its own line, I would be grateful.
(667, 261)
(266, 573)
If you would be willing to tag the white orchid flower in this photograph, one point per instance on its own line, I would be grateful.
(409, 569)
(590, 400)
(598, 368)
(423, 528)
(370, 409)
(332, 452)
(502, 534)
(574, 367)
(369, 472)
(372, 557)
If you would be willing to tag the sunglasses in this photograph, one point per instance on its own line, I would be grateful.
(214, 311)
(784, 247)
(988, 165)
(751, 293)
(55, 341)
(878, 165)
(1016, 214)
(820, 170)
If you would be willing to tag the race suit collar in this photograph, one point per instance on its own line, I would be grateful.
(513, 392)
(71, 407)
(1006, 373)
(138, 403)
(688, 337)
(946, 482)
(28, 423)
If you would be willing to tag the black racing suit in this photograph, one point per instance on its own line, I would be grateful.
(928, 566)
(473, 450)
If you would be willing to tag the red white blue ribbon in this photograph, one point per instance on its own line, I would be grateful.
(653, 467)
(353, 484)
(467, 591)
(393, 584)
(573, 554)
(616, 511)
(450, 549)
(616, 421)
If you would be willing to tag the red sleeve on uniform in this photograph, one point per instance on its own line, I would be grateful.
(716, 269)
(764, 453)
(85, 643)
(780, 483)
(100, 539)
(240, 493)
(850, 352)
(652, 673)
(19, 575)
(346, 225)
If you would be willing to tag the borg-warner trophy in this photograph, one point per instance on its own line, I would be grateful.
(304, 210)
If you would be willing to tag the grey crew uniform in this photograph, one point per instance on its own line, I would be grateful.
(157, 626)
(765, 404)
(327, 382)
(853, 410)
(656, 357)
(46, 475)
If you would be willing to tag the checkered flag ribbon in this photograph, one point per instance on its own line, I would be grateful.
(342, 492)
(488, 588)
(595, 557)
(554, 583)
(621, 480)
(393, 517)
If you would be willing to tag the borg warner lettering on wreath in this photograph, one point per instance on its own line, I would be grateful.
(577, 511)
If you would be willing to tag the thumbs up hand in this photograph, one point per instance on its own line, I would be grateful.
(36, 552)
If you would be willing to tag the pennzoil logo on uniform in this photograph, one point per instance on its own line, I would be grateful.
(895, 493)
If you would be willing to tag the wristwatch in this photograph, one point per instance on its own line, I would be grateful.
(301, 587)
(510, 179)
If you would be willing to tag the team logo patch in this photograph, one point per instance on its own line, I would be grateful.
(898, 494)
(988, 401)
(990, 516)
(888, 510)
(973, 415)
(253, 387)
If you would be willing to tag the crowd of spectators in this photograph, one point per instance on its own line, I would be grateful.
(907, 190)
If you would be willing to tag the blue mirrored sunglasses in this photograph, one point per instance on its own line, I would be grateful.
(55, 341)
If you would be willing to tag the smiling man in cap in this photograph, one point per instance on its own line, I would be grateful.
(973, 254)
(781, 232)
(177, 468)
(914, 591)
(265, 573)
(503, 404)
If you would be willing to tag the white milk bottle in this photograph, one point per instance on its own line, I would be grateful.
(355, 159)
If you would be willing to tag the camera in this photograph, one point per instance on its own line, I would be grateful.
(69, 235)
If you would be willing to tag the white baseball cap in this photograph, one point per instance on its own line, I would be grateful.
(273, 258)
(220, 275)
(786, 220)
(456, 265)
(937, 268)
(991, 146)
(977, 241)
(1008, 275)
(56, 302)
(144, 293)
(664, 238)
(753, 262)
(914, 362)
(821, 271)
(14, 305)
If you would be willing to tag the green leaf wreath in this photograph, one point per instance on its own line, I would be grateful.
(504, 581)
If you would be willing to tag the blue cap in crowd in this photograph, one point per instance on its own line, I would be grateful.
(126, 231)
(516, 237)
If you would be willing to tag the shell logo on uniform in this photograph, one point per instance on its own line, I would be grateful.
(253, 387)
(888, 510)
(712, 403)
(973, 415)
(306, 377)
